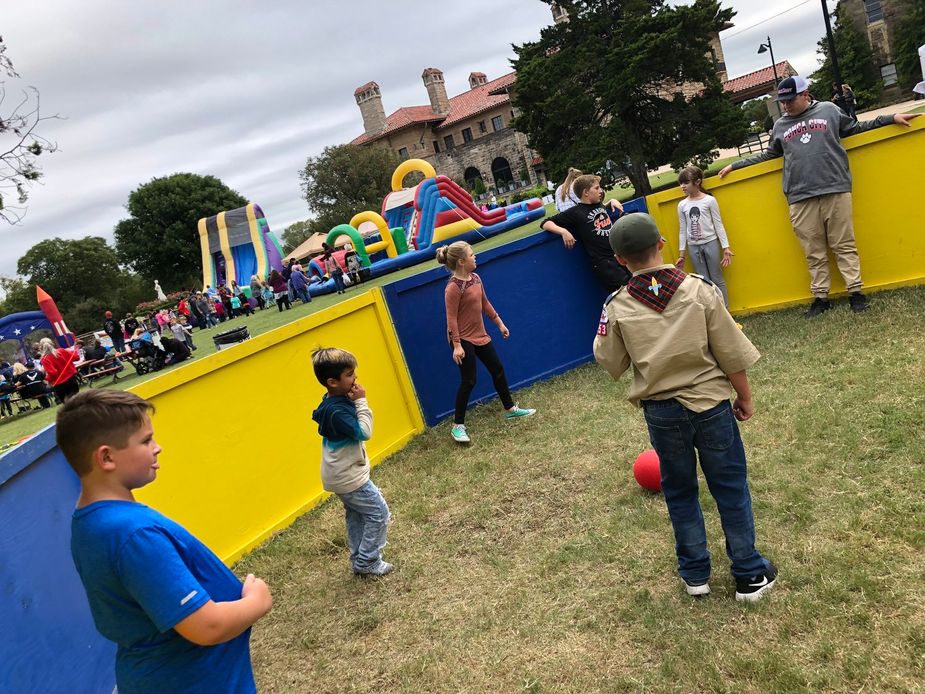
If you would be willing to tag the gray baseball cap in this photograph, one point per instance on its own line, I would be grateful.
(633, 233)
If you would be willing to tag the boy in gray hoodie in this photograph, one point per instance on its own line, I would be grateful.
(345, 422)
(817, 183)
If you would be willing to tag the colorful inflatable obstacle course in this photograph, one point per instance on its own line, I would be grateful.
(413, 221)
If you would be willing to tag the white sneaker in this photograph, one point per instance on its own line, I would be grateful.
(697, 590)
(459, 433)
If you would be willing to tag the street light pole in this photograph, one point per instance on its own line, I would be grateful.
(767, 46)
(836, 73)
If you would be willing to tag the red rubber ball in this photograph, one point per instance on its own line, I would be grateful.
(647, 472)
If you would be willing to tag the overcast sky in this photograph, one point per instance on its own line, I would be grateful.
(245, 91)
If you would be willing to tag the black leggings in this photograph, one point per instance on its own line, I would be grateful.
(65, 390)
(283, 300)
(489, 357)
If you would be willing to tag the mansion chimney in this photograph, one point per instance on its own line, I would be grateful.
(369, 99)
(477, 79)
(436, 90)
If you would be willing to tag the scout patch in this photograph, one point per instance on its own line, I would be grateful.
(655, 289)
(602, 326)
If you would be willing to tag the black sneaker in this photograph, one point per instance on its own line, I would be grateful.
(751, 588)
(819, 306)
(858, 302)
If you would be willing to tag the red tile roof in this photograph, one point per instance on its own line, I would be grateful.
(481, 98)
(758, 77)
(462, 106)
(402, 118)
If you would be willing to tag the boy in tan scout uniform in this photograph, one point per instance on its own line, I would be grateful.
(687, 355)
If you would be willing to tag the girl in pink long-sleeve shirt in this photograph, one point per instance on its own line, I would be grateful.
(466, 301)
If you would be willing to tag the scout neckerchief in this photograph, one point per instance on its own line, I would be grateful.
(655, 289)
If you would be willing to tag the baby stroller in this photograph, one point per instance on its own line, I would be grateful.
(147, 356)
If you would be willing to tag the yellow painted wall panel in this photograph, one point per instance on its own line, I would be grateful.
(241, 453)
(769, 269)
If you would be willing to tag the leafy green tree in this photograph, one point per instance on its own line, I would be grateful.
(83, 276)
(855, 62)
(346, 179)
(910, 34)
(296, 233)
(21, 144)
(72, 269)
(605, 90)
(18, 295)
(160, 240)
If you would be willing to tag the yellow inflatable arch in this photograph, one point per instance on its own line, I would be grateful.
(406, 167)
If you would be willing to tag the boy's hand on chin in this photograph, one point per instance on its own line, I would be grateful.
(357, 392)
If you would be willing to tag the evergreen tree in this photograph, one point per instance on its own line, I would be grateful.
(855, 62)
(606, 90)
(910, 34)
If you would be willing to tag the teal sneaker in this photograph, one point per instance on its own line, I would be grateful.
(459, 433)
(518, 412)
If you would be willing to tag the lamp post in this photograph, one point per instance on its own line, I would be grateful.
(765, 47)
(836, 73)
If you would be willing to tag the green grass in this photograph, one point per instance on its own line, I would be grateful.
(918, 109)
(531, 561)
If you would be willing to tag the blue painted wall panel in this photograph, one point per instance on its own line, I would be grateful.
(50, 643)
(546, 296)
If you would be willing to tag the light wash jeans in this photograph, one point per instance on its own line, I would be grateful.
(367, 516)
(707, 261)
(679, 435)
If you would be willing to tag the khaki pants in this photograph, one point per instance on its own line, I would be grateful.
(821, 223)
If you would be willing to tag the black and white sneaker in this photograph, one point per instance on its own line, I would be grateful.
(751, 588)
(858, 302)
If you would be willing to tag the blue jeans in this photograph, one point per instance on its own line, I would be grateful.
(367, 517)
(303, 295)
(675, 433)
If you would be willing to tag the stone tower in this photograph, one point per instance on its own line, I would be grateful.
(369, 99)
(477, 79)
(559, 14)
(436, 90)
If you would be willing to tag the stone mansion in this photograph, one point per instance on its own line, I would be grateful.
(466, 137)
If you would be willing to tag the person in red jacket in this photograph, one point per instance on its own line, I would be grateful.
(60, 372)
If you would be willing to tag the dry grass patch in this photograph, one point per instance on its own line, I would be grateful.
(531, 561)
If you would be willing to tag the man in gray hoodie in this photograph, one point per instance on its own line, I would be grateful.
(817, 183)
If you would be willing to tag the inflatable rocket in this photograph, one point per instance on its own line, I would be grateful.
(63, 335)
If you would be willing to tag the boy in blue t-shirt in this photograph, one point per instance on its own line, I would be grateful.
(180, 617)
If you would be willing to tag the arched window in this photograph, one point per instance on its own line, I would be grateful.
(471, 175)
(501, 171)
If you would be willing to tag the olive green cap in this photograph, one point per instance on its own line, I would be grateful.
(633, 233)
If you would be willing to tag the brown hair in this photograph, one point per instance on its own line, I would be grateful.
(453, 255)
(568, 182)
(692, 174)
(331, 362)
(95, 418)
(583, 183)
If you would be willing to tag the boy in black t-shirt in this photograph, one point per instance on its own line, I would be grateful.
(589, 222)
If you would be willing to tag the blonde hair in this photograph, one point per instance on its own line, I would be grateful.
(453, 255)
(19, 369)
(46, 346)
(692, 174)
(568, 182)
